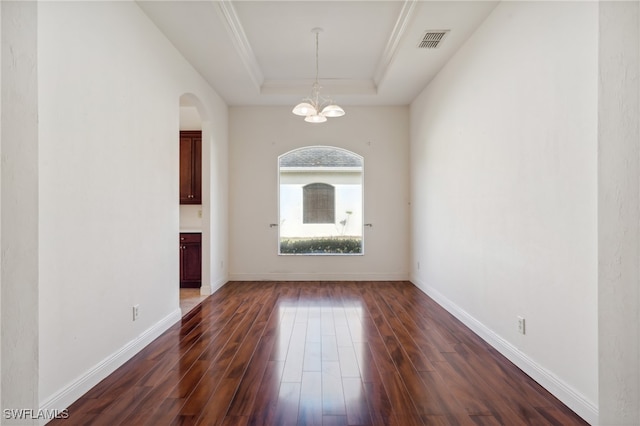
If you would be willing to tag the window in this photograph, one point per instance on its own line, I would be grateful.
(320, 201)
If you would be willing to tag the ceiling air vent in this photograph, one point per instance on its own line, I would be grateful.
(432, 39)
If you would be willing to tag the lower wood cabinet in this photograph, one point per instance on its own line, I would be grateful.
(190, 260)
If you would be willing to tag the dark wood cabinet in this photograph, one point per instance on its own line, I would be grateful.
(191, 167)
(190, 260)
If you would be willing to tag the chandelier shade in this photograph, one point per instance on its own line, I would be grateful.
(317, 108)
(315, 118)
(332, 110)
(304, 109)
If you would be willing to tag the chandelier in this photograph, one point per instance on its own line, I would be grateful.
(316, 108)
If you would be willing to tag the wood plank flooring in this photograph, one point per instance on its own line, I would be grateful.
(318, 353)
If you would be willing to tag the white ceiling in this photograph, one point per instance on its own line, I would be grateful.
(263, 52)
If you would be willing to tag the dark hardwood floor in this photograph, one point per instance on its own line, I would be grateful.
(318, 353)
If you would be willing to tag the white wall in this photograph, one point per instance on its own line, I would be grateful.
(215, 197)
(190, 118)
(109, 91)
(379, 134)
(19, 214)
(190, 217)
(504, 191)
(2, 101)
(618, 213)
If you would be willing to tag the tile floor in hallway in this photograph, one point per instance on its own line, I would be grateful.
(189, 299)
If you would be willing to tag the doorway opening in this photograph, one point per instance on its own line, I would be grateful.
(191, 206)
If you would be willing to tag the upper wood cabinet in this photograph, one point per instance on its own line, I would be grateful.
(191, 167)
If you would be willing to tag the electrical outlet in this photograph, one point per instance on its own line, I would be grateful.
(521, 325)
(136, 312)
(199, 212)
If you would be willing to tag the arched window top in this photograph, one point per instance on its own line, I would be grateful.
(320, 156)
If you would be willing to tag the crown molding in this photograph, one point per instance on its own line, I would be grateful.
(390, 50)
(241, 43)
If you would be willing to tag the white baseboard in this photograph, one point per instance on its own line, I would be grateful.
(69, 394)
(565, 393)
(214, 286)
(317, 276)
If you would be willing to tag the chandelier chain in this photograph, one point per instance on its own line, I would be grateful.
(317, 56)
